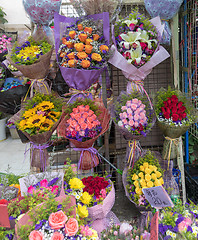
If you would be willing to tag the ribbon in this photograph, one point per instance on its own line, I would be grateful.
(133, 145)
(75, 92)
(174, 141)
(41, 148)
(140, 85)
(93, 152)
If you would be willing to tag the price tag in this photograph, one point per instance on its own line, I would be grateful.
(157, 197)
(154, 227)
(4, 218)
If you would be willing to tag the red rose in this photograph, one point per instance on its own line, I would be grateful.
(180, 104)
(180, 117)
(3, 201)
(169, 102)
(165, 104)
(163, 110)
(175, 117)
(174, 99)
(183, 109)
(168, 110)
(184, 115)
(166, 115)
(174, 110)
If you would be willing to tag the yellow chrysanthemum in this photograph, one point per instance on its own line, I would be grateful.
(141, 175)
(82, 211)
(158, 174)
(147, 177)
(136, 183)
(29, 52)
(54, 115)
(143, 182)
(153, 176)
(134, 177)
(86, 198)
(142, 168)
(148, 170)
(149, 184)
(35, 121)
(145, 164)
(29, 112)
(76, 183)
(46, 125)
(22, 125)
(45, 105)
(138, 191)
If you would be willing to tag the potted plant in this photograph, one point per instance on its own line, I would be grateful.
(2, 126)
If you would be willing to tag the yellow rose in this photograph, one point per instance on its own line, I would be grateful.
(141, 175)
(88, 49)
(136, 183)
(153, 176)
(86, 198)
(138, 191)
(72, 34)
(88, 41)
(96, 57)
(79, 47)
(82, 37)
(82, 211)
(147, 177)
(149, 184)
(148, 170)
(154, 168)
(135, 177)
(145, 164)
(82, 55)
(143, 182)
(76, 183)
(161, 181)
(158, 174)
(142, 168)
(104, 48)
(151, 168)
(157, 183)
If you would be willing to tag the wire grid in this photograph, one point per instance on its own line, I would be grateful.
(189, 53)
(113, 146)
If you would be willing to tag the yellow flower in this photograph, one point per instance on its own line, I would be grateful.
(157, 183)
(158, 174)
(29, 112)
(141, 175)
(94, 234)
(54, 115)
(47, 125)
(136, 183)
(86, 198)
(22, 125)
(161, 181)
(138, 191)
(154, 168)
(153, 176)
(142, 168)
(149, 184)
(29, 52)
(19, 189)
(147, 177)
(151, 167)
(145, 164)
(76, 183)
(82, 211)
(35, 121)
(45, 105)
(135, 177)
(148, 170)
(96, 57)
(143, 183)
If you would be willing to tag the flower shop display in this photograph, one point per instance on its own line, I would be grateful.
(37, 119)
(180, 222)
(32, 57)
(41, 14)
(2, 74)
(5, 41)
(165, 10)
(136, 48)
(81, 48)
(134, 116)
(175, 114)
(84, 120)
(14, 71)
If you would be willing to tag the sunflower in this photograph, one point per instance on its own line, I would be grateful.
(54, 115)
(29, 112)
(35, 121)
(47, 125)
(45, 105)
(23, 125)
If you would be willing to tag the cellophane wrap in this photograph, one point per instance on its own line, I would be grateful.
(79, 79)
(86, 162)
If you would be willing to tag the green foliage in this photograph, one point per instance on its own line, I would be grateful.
(2, 16)
(69, 173)
(9, 178)
(4, 232)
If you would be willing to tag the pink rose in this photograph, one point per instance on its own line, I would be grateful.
(44, 183)
(125, 228)
(131, 123)
(136, 124)
(128, 103)
(130, 117)
(136, 117)
(75, 110)
(124, 121)
(129, 111)
(124, 108)
(133, 106)
(135, 101)
(57, 236)
(71, 227)
(36, 235)
(57, 220)
(124, 115)
(30, 189)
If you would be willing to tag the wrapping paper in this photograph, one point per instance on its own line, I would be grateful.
(79, 79)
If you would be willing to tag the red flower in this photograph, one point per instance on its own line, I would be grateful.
(3, 201)
(180, 104)
(183, 109)
(169, 102)
(166, 115)
(184, 115)
(175, 117)
(174, 99)
(174, 110)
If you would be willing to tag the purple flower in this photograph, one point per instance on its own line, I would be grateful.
(53, 181)
(9, 236)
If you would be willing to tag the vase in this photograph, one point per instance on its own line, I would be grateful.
(3, 129)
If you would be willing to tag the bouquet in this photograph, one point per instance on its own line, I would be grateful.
(136, 48)
(146, 173)
(83, 122)
(2, 75)
(134, 116)
(83, 51)
(175, 114)
(37, 119)
(32, 58)
(180, 222)
(5, 41)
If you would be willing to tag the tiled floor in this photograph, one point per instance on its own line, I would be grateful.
(12, 156)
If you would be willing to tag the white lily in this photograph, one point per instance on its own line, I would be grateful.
(145, 38)
(130, 38)
(128, 22)
(136, 55)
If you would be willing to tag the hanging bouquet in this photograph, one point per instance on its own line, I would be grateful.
(134, 116)
(175, 114)
(136, 48)
(146, 173)
(83, 51)
(83, 122)
(180, 222)
(32, 58)
(37, 119)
